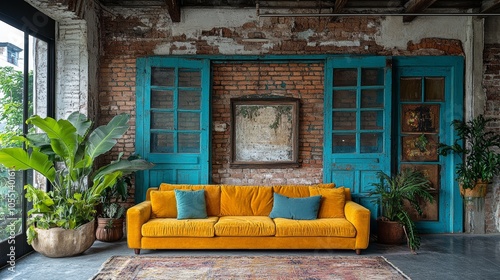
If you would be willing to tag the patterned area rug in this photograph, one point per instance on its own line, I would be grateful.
(248, 267)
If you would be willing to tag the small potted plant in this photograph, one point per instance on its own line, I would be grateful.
(112, 212)
(392, 192)
(479, 148)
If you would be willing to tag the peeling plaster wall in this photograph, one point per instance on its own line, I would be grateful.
(396, 34)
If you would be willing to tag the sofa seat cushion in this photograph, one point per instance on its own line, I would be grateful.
(245, 226)
(333, 227)
(172, 227)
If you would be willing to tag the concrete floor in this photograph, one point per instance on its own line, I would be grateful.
(443, 256)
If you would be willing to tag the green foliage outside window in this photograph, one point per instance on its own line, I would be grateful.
(11, 120)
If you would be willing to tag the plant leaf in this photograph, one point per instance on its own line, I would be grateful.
(19, 159)
(103, 138)
(125, 166)
(62, 135)
(80, 122)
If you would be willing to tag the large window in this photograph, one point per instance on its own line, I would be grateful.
(26, 88)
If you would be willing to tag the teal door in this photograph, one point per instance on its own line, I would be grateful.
(172, 121)
(429, 97)
(357, 140)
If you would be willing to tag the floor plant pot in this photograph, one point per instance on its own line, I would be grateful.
(59, 242)
(109, 230)
(390, 232)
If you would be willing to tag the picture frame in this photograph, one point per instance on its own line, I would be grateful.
(420, 118)
(412, 151)
(264, 132)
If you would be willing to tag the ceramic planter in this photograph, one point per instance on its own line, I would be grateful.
(390, 232)
(109, 230)
(59, 242)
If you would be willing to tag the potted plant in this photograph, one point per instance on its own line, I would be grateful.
(112, 210)
(64, 153)
(481, 162)
(392, 192)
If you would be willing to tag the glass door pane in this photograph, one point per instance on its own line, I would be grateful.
(421, 101)
(23, 93)
(11, 124)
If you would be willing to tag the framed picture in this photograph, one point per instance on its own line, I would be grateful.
(422, 147)
(430, 171)
(420, 118)
(264, 132)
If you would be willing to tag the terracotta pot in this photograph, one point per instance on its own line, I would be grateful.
(109, 230)
(58, 242)
(390, 232)
(479, 190)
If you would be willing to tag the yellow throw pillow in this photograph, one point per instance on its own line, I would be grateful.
(163, 204)
(332, 202)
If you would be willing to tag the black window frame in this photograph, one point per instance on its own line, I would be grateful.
(32, 22)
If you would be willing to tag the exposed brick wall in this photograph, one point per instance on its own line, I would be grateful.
(250, 79)
(492, 88)
(117, 95)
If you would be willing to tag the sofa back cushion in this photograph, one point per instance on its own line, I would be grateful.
(332, 202)
(299, 190)
(212, 195)
(246, 200)
(163, 204)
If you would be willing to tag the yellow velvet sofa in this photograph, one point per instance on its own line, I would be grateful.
(238, 218)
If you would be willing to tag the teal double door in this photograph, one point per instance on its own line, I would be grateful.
(380, 114)
(387, 114)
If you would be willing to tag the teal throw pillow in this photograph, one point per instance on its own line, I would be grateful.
(191, 204)
(304, 208)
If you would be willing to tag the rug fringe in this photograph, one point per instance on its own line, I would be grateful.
(102, 266)
(396, 268)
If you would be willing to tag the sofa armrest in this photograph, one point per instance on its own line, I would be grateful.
(359, 216)
(137, 216)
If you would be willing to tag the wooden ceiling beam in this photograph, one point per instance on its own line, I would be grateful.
(174, 10)
(339, 5)
(489, 6)
(415, 7)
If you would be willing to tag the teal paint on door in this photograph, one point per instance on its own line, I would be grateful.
(357, 140)
(172, 121)
(429, 93)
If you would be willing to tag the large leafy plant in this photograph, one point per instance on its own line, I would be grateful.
(477, 145)
(392, 192)
(65, 153)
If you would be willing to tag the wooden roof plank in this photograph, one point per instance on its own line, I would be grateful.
(339, 5)
(488, 6)
(416, 6)
(174, 10)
